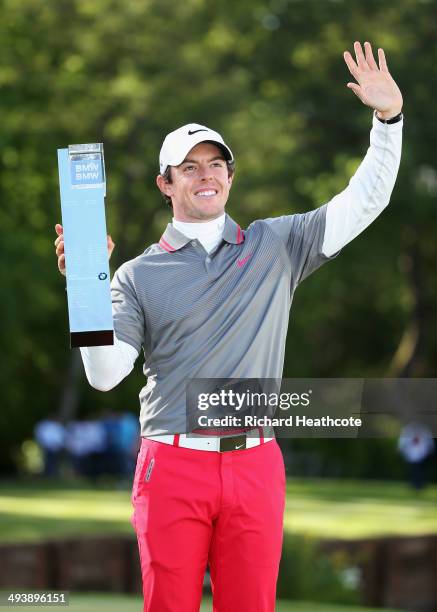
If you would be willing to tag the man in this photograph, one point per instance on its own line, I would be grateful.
(212, 301)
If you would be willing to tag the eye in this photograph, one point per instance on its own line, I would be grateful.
(189, 168)
(217, 164)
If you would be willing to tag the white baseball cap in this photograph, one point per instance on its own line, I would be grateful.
(177, 144)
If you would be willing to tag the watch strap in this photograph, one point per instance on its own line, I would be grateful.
(395, 119)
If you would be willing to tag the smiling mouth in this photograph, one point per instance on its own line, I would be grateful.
(206, 193)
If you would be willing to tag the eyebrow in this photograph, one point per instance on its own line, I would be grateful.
(194, 161)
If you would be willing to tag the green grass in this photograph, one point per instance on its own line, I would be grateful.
(33, 510)
(37, 511)
(355, 509)
(113, 602)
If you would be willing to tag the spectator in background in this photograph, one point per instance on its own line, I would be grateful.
(129, 442)
(86, 442)
(112, 455)
(50, 436)
(122, 444)
(104, 446)
(416, 445)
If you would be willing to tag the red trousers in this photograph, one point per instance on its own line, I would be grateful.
(193, 507)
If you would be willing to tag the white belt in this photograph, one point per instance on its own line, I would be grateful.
(244, 441)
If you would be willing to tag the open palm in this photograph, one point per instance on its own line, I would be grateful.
(376, 87)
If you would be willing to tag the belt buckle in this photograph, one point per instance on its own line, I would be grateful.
(232, 443)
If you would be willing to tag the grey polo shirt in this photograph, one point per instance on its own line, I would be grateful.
(222, 315)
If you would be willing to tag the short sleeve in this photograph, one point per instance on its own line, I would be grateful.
(129, 322)
(302, 235)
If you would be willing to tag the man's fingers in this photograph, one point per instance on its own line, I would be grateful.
(382, 61)
(60, 245)
(361, 60)
(353, 68)
(60, 249)
(111, 244)
(61, 264)
(369, 56)
(355, 88)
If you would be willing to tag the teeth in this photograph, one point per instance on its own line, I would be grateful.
(211, 192)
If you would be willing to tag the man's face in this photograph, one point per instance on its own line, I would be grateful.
(200, 184)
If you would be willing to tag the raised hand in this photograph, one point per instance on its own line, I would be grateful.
(376, 87)
(59, 244)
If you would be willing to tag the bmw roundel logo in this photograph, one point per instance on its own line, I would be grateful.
(103, 276)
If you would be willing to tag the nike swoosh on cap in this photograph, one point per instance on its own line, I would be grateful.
(190, 133)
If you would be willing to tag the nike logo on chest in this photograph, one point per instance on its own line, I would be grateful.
(241, 262)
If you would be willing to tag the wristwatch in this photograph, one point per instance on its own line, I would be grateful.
(392, 120)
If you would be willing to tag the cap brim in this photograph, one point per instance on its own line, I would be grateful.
(226, 151)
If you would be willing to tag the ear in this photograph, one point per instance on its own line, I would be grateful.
(230, 179)
(163, 186)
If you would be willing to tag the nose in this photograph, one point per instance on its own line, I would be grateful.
(205, 172)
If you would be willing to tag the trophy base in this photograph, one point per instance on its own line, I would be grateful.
(91, 338)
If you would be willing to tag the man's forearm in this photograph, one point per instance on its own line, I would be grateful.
(369, 190)
(106, 366)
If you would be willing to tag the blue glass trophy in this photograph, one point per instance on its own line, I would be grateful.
(82, 185)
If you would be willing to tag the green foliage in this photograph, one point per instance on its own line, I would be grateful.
(346, 458)
(306, 573)
(272, 78)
